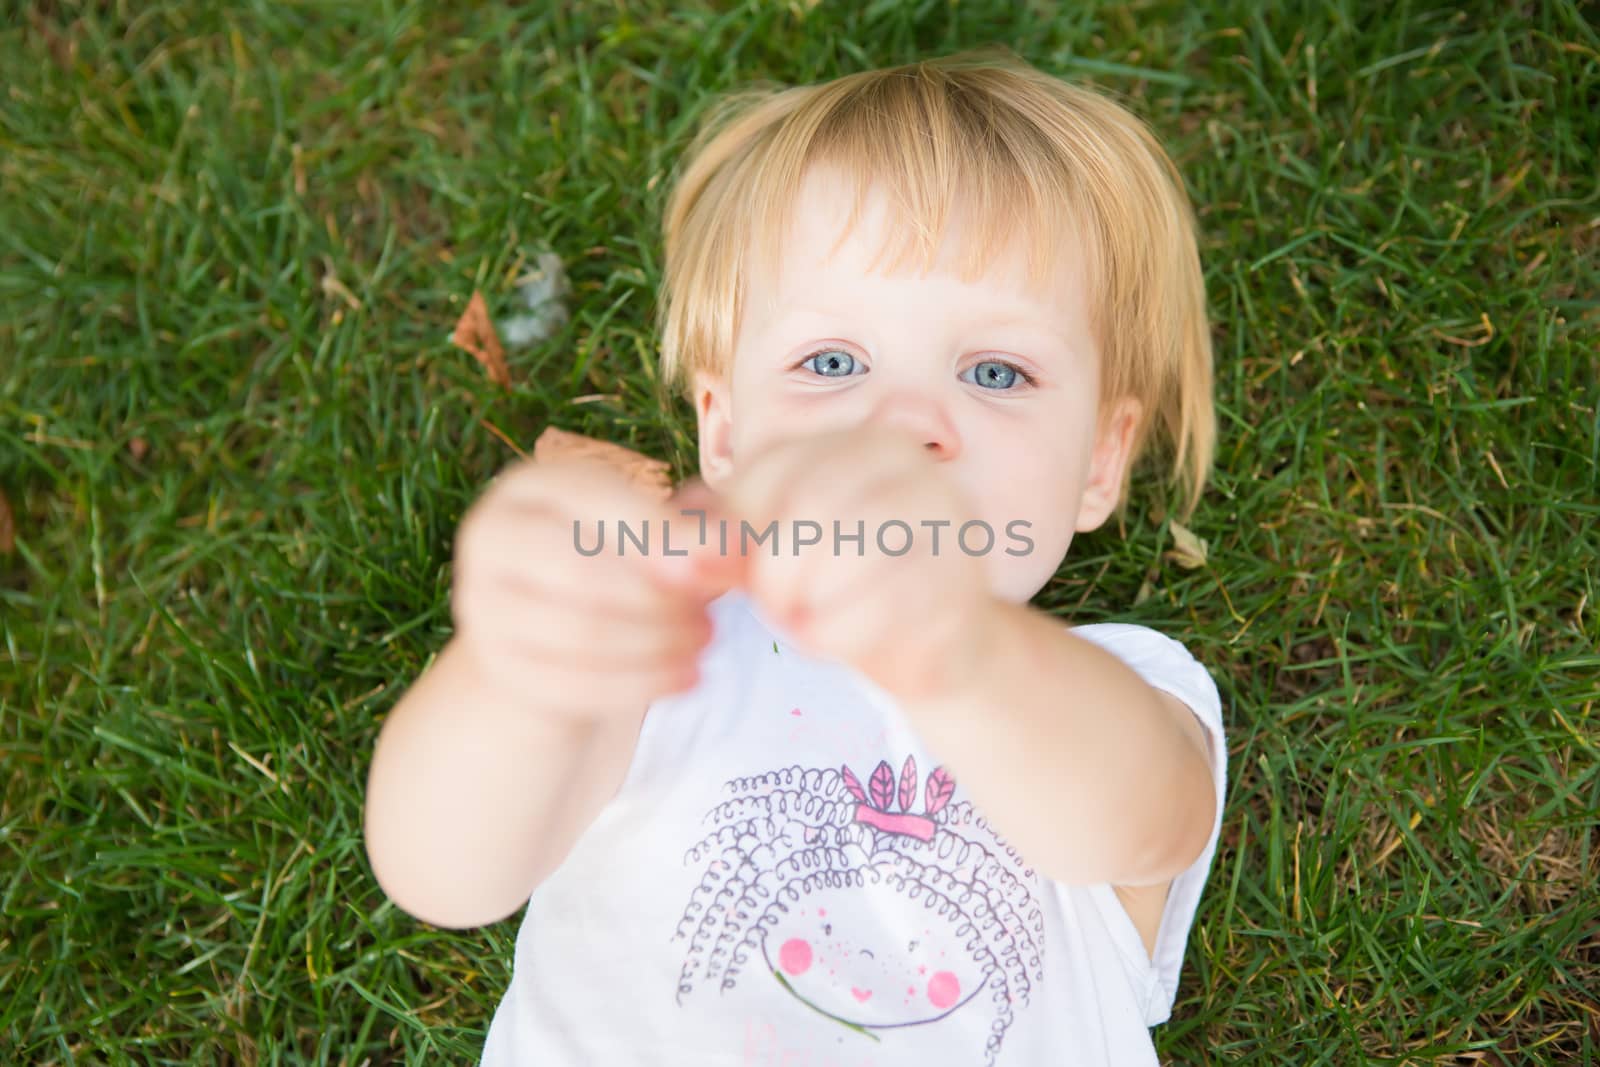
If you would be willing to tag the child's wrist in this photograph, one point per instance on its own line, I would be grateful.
(955, 655)
(510, 707)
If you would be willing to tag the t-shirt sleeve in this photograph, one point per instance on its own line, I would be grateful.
(1167, 665)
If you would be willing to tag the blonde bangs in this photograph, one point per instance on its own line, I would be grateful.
(1015, 155)
(935, 157)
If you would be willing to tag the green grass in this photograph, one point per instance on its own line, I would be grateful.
(203, 632)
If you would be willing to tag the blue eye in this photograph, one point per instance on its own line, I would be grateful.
(831, 363)
(992, 374)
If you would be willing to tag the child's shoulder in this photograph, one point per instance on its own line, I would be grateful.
(1131, 638)
(1162, 661)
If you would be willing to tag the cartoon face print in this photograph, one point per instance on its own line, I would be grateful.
(835, 953)
(879, 906)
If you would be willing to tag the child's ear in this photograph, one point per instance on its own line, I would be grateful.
(713, 408)
(1112, 445)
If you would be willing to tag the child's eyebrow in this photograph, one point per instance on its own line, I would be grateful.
(1030, 324)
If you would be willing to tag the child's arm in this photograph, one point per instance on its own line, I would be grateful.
(504, 751)
(478, 792)
(1091, 773)
(1094, 776)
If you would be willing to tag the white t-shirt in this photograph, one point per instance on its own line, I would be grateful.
(786, 878)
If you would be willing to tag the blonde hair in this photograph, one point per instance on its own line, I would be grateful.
(1029, 154)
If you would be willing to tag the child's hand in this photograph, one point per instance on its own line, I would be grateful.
(583, 635)
(896, 618)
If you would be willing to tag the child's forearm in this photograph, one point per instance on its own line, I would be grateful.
(1093, 775)
(475, 794)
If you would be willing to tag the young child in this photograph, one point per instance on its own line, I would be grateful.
(799, 777)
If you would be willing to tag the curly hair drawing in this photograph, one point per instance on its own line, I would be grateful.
(871, 913)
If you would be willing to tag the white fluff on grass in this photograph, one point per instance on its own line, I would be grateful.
(543, 290)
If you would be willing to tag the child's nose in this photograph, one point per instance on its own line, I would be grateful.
(924, 418)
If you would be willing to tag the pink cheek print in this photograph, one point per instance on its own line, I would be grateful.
(795, 956)
(827, 955)
(813, 876)
(944, 989)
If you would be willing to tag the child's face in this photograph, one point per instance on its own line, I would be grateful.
(935, 356)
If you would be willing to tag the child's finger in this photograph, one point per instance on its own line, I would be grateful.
(694, 494)
(759, 490)
(705, 561)
(714, 572)
(584, 636)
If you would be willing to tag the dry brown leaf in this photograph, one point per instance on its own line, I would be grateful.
(138, 448)
(1188, 550)
(63, 49)
(652, 475)
(475, 332)
(8, 526)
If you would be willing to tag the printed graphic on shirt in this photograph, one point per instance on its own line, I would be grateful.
(876, 907)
